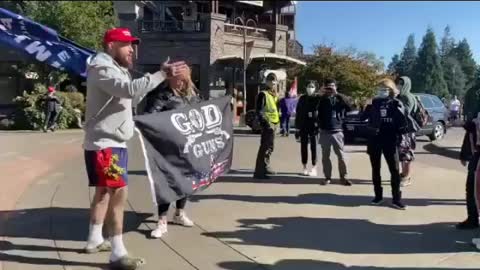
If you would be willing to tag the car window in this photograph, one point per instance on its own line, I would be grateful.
(437, 102)
(427, 102)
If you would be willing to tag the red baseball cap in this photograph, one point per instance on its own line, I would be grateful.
(51, 89)
(121, 35)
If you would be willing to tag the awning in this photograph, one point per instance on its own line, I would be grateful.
(253, 3)
(265, 56)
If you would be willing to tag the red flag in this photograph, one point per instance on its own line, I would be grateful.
(293, 88)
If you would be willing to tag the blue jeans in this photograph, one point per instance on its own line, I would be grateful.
(285, 124)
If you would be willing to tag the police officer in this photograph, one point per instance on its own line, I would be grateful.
(387, 120)
(269, 117)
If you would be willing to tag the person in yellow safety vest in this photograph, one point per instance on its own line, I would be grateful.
(269, 117)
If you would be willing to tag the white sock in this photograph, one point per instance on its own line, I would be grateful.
(118, 248)
(95, 236)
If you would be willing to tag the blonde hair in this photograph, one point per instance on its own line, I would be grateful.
(189, 89)
(388, 83)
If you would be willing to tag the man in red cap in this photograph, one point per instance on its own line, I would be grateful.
(52, 109)
(111, 92)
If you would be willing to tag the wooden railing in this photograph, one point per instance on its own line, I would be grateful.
(149, 26)
(250, 31)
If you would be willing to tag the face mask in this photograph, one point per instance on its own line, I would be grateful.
(310, 90)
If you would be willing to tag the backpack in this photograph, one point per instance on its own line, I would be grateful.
(420, 115)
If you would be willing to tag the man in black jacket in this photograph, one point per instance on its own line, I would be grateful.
(332, 108)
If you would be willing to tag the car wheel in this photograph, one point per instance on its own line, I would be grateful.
(438, 132)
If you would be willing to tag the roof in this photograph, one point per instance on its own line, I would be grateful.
(266, 55)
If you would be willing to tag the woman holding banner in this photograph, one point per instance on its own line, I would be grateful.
(176, 93)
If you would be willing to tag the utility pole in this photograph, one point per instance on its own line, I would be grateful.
(245, 64)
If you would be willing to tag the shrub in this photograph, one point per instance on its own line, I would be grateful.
(30, 113)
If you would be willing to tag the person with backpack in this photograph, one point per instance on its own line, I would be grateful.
(408, 141)
(387, 122)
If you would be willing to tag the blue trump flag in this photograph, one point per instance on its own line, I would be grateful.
(42, 43)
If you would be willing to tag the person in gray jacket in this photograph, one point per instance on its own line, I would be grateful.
(109, 125)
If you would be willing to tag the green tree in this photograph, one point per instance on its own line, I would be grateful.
(407, 58)
(452, 71)
(14, 6)
(84, 22)
(392, 67)
(428, 69)
(447, 44)
(464, 56)
(355, 77)
(454, 77)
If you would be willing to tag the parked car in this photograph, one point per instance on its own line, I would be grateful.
(435, 129)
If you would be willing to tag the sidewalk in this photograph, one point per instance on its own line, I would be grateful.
(287, 223)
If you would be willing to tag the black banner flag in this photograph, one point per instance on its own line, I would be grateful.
(186, 149)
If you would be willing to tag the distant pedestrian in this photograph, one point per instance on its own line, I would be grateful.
(307, 128)
(387, 122)
(53, 106)
(288, 106)
(332, 109)
(455, 106)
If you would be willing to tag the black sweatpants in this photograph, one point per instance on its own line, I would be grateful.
(472, 210)
(377, 146)
(305, 139)
(267, 144)
(163, 208)
(50, 119)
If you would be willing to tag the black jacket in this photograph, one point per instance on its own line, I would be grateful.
(163, 99)
(387, 118)
(331, 112)
(52, 103)
(307, 114)
(466, 153)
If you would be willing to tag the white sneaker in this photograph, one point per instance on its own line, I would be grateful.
(305, 172)
(183, 220)
(160, 230)
(313, 172)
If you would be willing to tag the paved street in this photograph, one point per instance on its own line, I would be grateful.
(286, 223)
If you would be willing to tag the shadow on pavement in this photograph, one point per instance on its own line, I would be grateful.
(312, 265)
(347, 236)
(449, 152)
(322, 199)
(55, 223)
(285, 178)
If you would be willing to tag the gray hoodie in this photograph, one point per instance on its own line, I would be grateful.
(110, 91)
(406, 96)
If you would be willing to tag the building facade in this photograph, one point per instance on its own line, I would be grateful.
(213, 37)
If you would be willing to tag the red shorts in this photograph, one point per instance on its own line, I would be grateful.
(107, 167)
